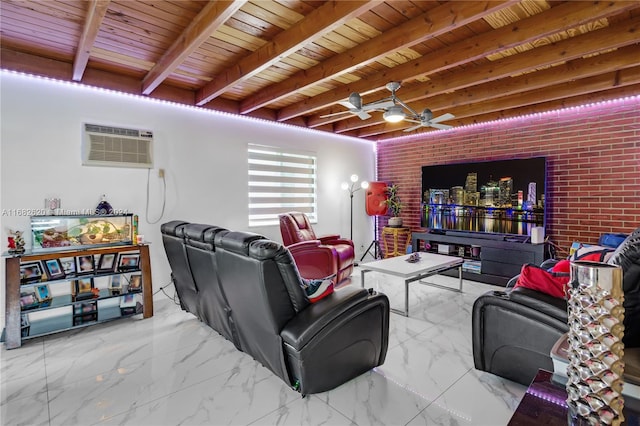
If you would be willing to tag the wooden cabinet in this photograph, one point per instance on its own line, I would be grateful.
(76, 302)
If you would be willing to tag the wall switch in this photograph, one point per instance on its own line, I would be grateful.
(161, 173)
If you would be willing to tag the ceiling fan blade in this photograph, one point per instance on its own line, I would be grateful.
(347, 104)
(440, 126)
(411, 129)
(363, 115)
(335, 113)
(378, 105)
(443, 117)
(411, 120)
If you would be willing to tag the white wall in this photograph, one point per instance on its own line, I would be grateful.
(203, 154)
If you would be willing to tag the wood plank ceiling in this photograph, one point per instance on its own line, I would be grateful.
(292, 61)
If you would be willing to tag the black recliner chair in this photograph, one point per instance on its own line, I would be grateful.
(174, 247)
(514, 330)
(312, 347)
(213, 308)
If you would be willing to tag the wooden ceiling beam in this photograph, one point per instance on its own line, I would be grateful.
(625, 57)
(625, 33)
(95, 15)
(560, 18)
(433, 23)
(584, 86)
(212, 17)
(327, 17)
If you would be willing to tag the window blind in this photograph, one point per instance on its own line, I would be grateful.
(280, 181)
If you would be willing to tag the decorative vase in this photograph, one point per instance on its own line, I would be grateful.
(595, 316)
(104, 207)
(395, 222)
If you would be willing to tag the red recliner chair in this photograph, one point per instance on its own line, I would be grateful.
(316, 257)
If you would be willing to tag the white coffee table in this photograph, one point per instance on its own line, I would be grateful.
(428, 265)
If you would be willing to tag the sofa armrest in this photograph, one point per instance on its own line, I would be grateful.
(514, 331)
(328, 237)
(304, 245)
(335, 307)
(334, 240)
(551, 306)
(336, 339)
(314, 260)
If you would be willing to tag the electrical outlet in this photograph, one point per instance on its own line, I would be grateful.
(161, 173)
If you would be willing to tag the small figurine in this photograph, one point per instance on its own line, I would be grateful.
(104, 207)
(16, 242)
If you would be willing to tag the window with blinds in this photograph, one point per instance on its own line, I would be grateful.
(280, 181)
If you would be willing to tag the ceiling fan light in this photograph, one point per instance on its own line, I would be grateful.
(394, 114)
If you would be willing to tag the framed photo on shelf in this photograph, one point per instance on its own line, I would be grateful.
(135, 283)
(127, 301)
(129, 305)
(43, 292)
(83, 288)
(28, 300)
(128, 261)
(25, 325)
(115, 285)
(54, 269)
(106, 262)
(30, 271)
(68, 265)
(85, 264)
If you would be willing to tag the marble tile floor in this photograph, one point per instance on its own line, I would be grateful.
(173, 370)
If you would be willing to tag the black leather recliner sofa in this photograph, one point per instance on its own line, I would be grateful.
(514, 330)
(248, 289)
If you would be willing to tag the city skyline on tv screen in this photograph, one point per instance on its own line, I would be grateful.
(504, 196)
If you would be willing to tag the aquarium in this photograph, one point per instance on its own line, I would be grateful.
(78, 231)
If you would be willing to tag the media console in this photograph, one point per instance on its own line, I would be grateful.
(499, 257)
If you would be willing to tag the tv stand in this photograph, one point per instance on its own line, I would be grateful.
(499, 257)
(478, 235)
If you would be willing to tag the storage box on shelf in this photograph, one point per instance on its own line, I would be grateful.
(42, 298)
(492, 259)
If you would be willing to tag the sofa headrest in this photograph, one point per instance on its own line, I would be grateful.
(201, 235)
(171, 228)
(300, 219)
(235, 241)
(267, 249)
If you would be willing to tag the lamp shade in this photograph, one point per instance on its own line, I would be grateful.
(394, 114)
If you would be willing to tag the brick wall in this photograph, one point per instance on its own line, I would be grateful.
(593, 165)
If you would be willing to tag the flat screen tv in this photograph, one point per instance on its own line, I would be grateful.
(499, 197)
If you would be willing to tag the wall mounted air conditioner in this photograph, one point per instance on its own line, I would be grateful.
(116, 146)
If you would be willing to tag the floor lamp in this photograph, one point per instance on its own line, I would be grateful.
(353, 188)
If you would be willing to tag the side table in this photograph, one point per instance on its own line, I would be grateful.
(395, 241)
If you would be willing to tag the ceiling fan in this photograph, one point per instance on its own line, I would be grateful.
(426, 120)
(394, 110)
(355, 106)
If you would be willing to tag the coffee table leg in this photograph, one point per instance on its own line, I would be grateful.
(406, 298)
(362, 276)
(460, 276)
